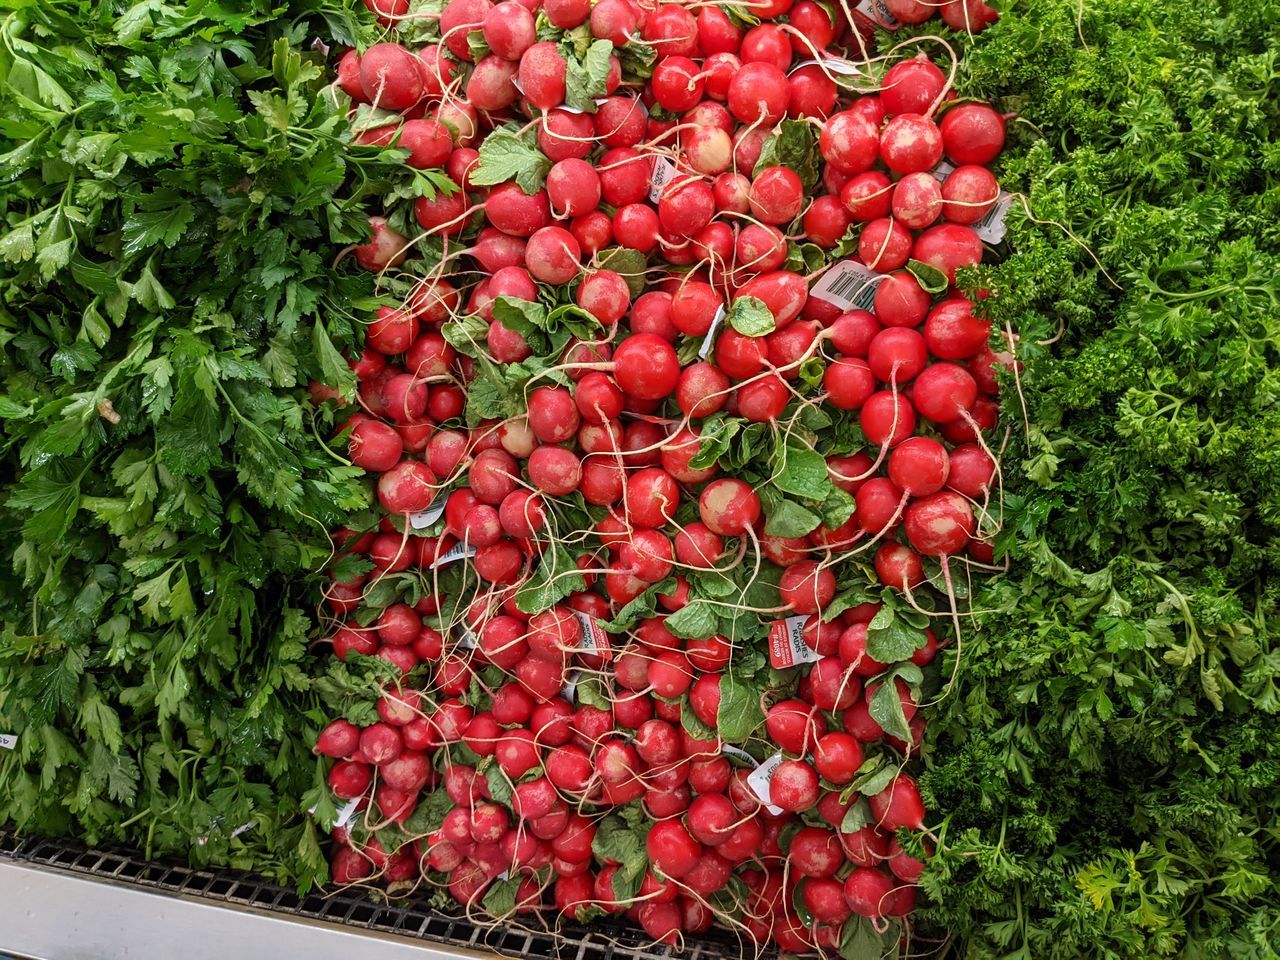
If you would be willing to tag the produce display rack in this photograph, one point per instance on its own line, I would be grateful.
(60, 900)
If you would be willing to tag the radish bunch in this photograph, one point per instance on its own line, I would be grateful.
(677, 432)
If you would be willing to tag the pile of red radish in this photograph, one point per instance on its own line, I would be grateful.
(679, 434)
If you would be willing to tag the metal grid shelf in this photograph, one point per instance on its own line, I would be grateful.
(353, 911)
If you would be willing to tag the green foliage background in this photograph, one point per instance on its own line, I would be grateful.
(1108, 759)
(173, 187)
(1105, 763)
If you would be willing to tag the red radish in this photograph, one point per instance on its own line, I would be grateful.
(940, 524)
(758, 93)
(794, 786)
(794, 726)
(375, 445)
(339, 739)
(968, 15)
(944, 392)
(972, 133)
(911, 86)
(919, 466)
(408, 487)
(390, 77)
(952, 332)
(849, 142)
(917, 200)
(867, 891)
(898, 805)
(671, 848)
(837, 757)
(899, 567)
(969, 193)
(776, 195)
(971, 471)
(806, 587)
(911, 143)
(887, 419)
(509, 29)
(387, 249)
(645, 366)
(948, 247)
(728, 507)
(884, 245)
(867, 196)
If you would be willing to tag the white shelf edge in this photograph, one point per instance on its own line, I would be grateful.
(50, 914)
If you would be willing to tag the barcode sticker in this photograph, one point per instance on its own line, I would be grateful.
(991, 228)
(458, 551)
(570, 689)
(347, 813)
(738, 752)
(8, 741)
(786, 643)
(428, 516)
(710, 338)
(664, 171)
(878, 10)
(848, 285)
(760, 778)
(837, 65)
(594, 639)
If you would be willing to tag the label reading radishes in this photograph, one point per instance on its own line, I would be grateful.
(594, 639)
(664, 171)
(991, 228)
(8, 740)
(878, 10)
(457, 552)
(848, 285)
(428, 516)
(710, 338)
(760, 778)
(786, 643)
(836, 65)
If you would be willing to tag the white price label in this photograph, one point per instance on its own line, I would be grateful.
(467, 640)
(428, 516)
(458, 551)
(594, 639)
(786, 643)
(664, 171)
(943, 170)
(709, 340)
(8, 741)
(837, 65)
(878, 10)
(760, 778)
(848, 285)
(214, 823)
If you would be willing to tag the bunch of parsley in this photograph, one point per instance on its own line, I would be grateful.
(176, 180)
(1108, 760)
